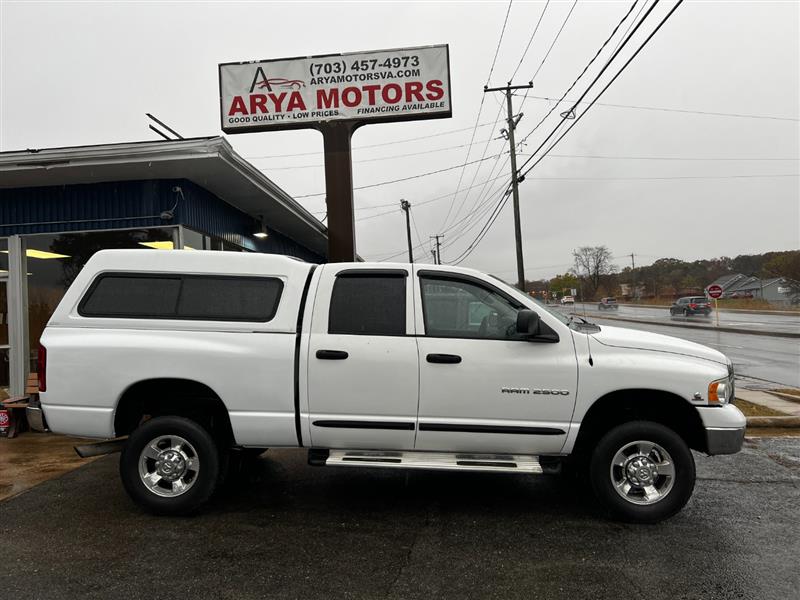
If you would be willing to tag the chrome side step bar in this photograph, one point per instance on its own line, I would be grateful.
(444, 461)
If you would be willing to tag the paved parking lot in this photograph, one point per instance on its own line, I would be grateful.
(286, 530)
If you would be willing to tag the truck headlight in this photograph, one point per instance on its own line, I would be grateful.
(720, 391)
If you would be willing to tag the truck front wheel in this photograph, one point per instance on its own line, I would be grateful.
(169, 465)
(642, 472)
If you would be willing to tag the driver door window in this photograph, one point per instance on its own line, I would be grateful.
(461, 309)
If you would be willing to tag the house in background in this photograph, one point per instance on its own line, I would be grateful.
(776, 290)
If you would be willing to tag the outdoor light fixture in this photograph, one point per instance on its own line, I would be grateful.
(262, 229)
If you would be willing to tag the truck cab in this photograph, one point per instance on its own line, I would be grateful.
(187, 356)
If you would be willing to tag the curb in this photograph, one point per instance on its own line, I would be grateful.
(747, 311)
(789, 422)
(782, 396)
(782, 334)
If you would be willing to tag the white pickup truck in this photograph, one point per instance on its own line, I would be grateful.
(193, 355)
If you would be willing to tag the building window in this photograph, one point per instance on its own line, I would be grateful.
(54, 260)
(194, 240)
(368, 305)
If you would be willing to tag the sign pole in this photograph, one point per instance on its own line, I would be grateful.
(715, 291)
(336, 137)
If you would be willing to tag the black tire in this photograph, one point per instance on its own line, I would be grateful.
(200, 446)
(685, 312)
(601, 473)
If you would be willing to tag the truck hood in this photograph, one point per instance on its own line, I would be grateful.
(620, 337)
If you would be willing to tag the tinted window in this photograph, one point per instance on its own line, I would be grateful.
(229, 299)
(463, 309)
(368, 305)
(183, 297)
(120, 296)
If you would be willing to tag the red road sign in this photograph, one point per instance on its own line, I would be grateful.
(714, 291)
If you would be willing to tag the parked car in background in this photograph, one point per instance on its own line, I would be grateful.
(691, 305)
(608, 304)
(568, 300)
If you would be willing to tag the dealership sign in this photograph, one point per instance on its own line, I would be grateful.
(383, 85)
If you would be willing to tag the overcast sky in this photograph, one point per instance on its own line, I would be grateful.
(74, 73)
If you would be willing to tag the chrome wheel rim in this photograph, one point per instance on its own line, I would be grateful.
(169, 466)
(642, 472)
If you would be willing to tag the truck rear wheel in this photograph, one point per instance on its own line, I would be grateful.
(642, 472)
(169, 465)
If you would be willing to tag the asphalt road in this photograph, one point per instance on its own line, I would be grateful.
(287, 530)
(759, 361)
(747, 321)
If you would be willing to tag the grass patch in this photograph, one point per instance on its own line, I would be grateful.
(790, 391)
(750, 409)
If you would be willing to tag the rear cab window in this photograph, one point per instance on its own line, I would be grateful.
(368, 303)
(178, 296)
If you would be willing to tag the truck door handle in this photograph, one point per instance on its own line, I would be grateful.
(445, 359)
(332, 354)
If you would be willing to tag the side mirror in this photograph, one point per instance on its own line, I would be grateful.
(530, 326)
(528, 322)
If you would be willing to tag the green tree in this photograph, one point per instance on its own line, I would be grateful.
(784, 264)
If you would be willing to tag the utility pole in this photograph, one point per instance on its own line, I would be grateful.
(437, 254)
(406, 206)
(633, 275)
(512, 124)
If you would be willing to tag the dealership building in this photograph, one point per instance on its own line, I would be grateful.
(59, 206)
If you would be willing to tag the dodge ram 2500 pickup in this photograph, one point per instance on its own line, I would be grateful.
(188, 356)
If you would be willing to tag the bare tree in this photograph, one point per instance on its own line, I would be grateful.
(593, 262)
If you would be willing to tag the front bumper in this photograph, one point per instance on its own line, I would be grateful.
(724, 427)
(724, 441)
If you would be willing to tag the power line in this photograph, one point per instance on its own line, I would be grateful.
(665, 178)
(417, 204)
(497, 117)
(503, 201)
(479, 238)
(474, 177)
(597, 77)
(499, 42)
(366, 160)
(380, 183)
(613, 79)
(676, 110)
(552, 44)
(530, 41)
(675, 158)
(555, 39)
(589, 64)
(480, 109)
(401, 141)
